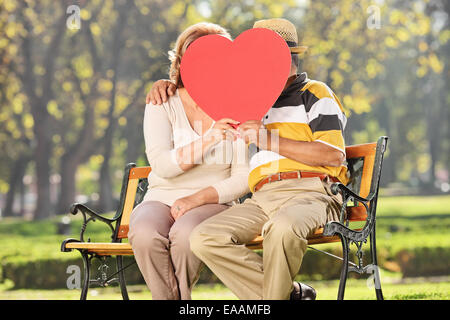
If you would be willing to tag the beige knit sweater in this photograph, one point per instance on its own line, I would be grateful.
(225, 166)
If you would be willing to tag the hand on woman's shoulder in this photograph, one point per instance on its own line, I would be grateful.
(160, 92)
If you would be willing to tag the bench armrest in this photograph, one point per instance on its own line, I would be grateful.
(63, 244)
(345, 191)
(86, 211)
(245, 197)
(342, 228)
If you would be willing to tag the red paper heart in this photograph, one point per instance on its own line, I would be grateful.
(240, 80)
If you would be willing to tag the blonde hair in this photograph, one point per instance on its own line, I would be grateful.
(184, 40)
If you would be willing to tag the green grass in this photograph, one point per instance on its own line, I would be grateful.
(409, 222)
(411, 206)
(34, 240)
(356, 290)
(402, 222)
(413, 221)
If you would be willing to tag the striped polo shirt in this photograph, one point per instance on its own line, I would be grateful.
(307, 110)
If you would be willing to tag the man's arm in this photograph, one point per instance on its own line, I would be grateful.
(310, 153)
(160, 92)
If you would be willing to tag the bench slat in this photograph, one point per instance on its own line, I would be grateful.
(354, 214)
(98, 245)
(103, 249)
(112, 248)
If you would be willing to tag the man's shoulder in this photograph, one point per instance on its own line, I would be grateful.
(319, 94)
(317, 88)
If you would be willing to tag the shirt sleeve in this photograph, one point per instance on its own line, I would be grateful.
(159, 148)
(236, 185)
(327, 122)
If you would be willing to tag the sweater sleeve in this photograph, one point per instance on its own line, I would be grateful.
(236, 185)
(159, 148)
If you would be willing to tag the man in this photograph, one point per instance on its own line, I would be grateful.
(300, 153)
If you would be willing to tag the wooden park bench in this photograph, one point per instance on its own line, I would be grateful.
(360, 196)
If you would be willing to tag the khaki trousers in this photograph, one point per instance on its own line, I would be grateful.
(161, 247)
(285, 212)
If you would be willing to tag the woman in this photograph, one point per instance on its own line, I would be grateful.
(198, 169)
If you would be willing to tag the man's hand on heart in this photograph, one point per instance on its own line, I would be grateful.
(253, 131)
(160, 92)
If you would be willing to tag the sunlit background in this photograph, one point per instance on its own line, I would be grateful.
(72, 92)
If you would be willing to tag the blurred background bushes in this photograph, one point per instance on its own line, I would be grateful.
(72, 101)
(412, 241)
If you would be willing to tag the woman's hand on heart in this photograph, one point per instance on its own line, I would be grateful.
(222, 130)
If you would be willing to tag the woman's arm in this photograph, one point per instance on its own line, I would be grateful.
(158, 136)
(193, 153)
(168, 162)
(236, 185)
(224, 191)
(204, 196)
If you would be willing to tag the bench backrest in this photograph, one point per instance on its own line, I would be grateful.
(363, 162)
(133, 190)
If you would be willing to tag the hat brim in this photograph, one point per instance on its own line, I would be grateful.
(299, 49)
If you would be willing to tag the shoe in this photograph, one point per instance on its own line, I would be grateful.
(305, 293)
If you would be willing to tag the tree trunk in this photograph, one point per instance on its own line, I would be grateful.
(42, 158)
(15, 181)
(67, 187)
(392, 159)
(22, 192)
(38, 102)
(71, 160)
(106, 195)
(134, 136)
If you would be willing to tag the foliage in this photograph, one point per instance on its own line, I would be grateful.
(71, 100)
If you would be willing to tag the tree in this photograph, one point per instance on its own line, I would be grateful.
(71, 102)
(36, 71)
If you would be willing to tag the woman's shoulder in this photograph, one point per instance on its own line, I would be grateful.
(170, 107)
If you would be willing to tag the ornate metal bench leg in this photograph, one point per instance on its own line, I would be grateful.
(123, 285)
(373, 252)
(87, 275)
(344, 270)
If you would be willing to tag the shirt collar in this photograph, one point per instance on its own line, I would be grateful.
(297, 84)
(294, 87)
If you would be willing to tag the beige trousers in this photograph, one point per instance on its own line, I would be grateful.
(285, 213)
(161, 247)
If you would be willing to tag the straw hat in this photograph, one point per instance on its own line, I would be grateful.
(285, 29)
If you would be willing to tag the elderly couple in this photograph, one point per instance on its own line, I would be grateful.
(190, 216)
